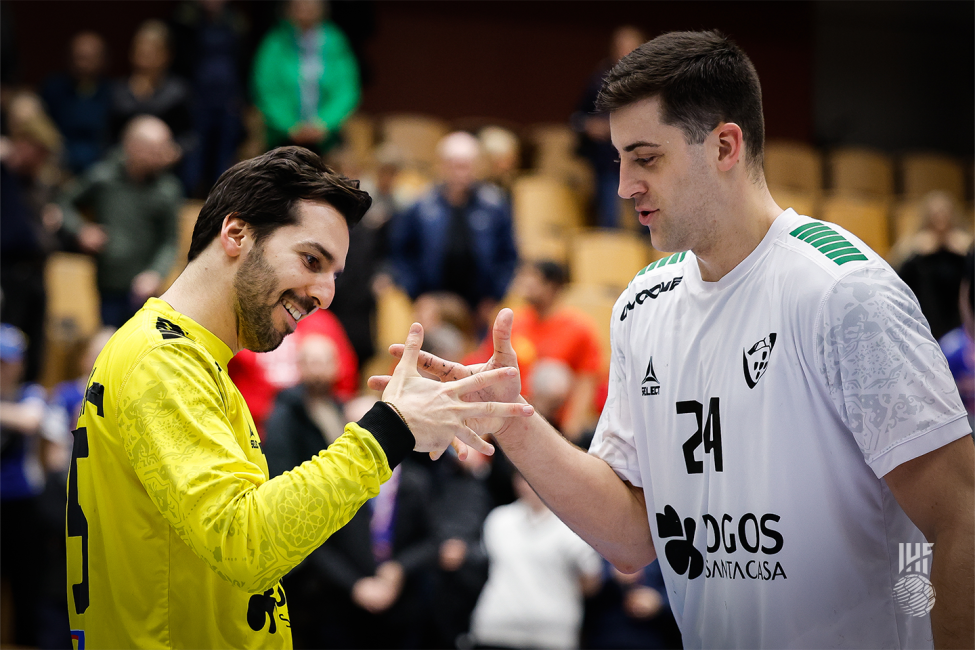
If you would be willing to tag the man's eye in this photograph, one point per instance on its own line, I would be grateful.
(311, 261)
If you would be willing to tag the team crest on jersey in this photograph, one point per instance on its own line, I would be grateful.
(755, 359)
(650, 385)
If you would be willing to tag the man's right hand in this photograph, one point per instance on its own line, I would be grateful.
(464, 405)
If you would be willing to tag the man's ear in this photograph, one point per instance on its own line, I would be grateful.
(731, 145)
(235, 235)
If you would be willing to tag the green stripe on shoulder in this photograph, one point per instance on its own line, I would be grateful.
(664, 261)
(828, 242)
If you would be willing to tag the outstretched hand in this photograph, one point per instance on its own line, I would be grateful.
(506, 389)
(463, 405)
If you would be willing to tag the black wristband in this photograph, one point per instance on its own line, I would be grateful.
(390, 431)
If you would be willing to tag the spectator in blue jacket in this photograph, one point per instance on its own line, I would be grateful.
(459, 237)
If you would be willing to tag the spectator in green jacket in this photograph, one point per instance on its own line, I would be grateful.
(306, 79)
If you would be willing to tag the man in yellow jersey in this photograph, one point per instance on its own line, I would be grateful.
(176, 536)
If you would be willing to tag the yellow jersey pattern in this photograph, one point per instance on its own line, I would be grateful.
(176, 536)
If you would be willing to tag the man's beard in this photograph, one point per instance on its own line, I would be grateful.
(254, 283)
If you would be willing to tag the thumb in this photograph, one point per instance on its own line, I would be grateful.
(504, 352)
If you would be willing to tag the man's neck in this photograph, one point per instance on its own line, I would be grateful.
(737, 233)
(205, 294)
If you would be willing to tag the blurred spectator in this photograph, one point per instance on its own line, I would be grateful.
(461, 505)
(26, 224)
(9, 64)
(356, 289)
(64, 407)
(151, 90)
(78, 101)
(306, 79)
(502, 152)
(959, 344)
(933, 264)
(544, 329)
(593, 129)
(631, 611)
(208, 45)
(260, 376)
(360, 588)
(458, 238)
(539, 573)
(134, 205)
(21, 483)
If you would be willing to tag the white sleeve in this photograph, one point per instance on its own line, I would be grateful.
(885, 373)
(613, 440)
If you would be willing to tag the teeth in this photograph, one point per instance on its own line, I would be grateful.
(292, 310)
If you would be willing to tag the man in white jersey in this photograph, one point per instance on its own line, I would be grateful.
(781, 428)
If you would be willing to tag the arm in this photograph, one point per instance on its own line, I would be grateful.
(585, 493)
(607, 512)
(937, 491)
(249, 530)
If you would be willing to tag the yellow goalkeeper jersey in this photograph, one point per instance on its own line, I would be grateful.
(176, 537)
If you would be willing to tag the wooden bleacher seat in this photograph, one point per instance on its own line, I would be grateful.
(73, 313)
(862, 171)
(794, 166)
(924, 172)
(416, 136)
(607, 257)
(596, 302)
(806, 203)
(546, 212)
(187, 220)
(359, 132)
(865, 217)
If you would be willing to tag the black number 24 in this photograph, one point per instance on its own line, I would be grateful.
(710, 435)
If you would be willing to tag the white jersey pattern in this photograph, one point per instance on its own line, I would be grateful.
(760, 413)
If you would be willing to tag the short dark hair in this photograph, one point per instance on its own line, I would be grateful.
(263, 191)
(701, 78)
(552, 272)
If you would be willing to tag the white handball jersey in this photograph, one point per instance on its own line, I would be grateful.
(760, 413)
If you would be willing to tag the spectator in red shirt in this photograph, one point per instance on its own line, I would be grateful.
(545, 329)
(261, 376)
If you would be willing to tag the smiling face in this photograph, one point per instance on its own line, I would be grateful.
(288, 275)
(672, 182)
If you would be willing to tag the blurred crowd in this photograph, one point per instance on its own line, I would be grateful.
(450, 553)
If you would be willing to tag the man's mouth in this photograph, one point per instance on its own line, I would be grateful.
(645, 216)
(294, 311)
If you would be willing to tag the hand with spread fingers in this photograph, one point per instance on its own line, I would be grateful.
(459, 407)
(506, 389)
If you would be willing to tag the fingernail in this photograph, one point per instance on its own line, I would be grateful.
(511, 372)
(415, 328)
(528, 409)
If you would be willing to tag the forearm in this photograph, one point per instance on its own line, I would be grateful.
(953, 577)
(583, 491)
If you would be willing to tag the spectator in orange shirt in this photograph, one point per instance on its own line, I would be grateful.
(544, 329)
